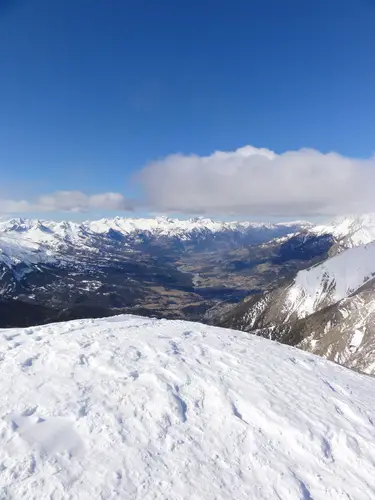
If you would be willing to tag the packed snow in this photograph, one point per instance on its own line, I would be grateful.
(356, 340)
(136, 408)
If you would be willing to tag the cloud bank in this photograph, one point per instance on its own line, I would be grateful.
(247, 182)
(251, 181)
(68, 201)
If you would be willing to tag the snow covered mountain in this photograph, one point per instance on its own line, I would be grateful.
(24, 240)
(327, 309)
(185, 229)
(137, 408)
(123, 265)
(44, 241)
(40, 241)
(350, 231)
(331, 281)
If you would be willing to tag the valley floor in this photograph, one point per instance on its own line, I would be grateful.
(136, 408)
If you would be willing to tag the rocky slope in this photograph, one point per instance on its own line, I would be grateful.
(136, 408)
(326, 309)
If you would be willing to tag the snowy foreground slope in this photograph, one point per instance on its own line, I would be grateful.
(137, 408)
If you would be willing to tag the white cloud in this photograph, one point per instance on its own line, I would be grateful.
(248, 182)
(67, 201)
(253, 181)
(12, 206)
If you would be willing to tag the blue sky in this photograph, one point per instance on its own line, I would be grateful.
(94, 90)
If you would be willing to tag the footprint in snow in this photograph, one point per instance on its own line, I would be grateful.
(29, 362)
(133, 353)
(11, 337)
(174, 348)
(83, 360)
(178, 405)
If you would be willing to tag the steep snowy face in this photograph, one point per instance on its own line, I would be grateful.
(136, 408)
(328, 309)
(311, 290)
(331, 281)
(351, 231)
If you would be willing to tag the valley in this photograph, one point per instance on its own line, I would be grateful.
(156, 267)
(303, 285)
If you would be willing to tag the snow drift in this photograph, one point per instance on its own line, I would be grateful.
(137, 408)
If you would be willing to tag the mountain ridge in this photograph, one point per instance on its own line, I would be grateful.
(326, 309)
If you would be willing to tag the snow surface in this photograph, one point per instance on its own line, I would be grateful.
(356, 340)
(136, 408)
(331, 281)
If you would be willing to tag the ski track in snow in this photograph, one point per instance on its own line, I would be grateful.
(137, 408)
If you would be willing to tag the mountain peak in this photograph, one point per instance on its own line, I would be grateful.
(351, 230)
(202, 220)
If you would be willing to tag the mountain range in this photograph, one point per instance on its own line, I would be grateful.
(307, 285)
(162, 267)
